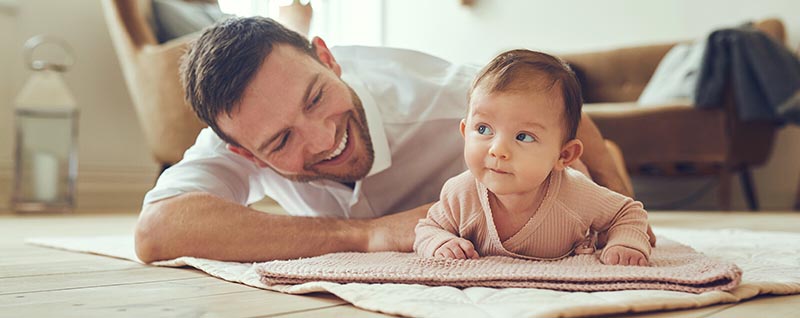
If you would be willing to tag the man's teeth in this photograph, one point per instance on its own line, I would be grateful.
(338, 151)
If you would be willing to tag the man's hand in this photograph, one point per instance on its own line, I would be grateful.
(621, 255)
(458, 248)
(395, 232)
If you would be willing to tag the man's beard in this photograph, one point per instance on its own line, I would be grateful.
(362, 166)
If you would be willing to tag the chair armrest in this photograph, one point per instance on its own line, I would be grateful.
(169, 123)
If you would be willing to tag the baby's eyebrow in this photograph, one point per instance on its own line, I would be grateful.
(479, 113)
(536, 124)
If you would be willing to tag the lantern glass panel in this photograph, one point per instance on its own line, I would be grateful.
(46, 160)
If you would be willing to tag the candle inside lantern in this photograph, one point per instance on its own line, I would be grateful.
(45, 177)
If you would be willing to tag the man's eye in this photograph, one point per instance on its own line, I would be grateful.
(315, 100)
(523, 137)
(484, 130)
(282, 143)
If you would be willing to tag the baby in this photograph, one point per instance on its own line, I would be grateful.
(520, 197)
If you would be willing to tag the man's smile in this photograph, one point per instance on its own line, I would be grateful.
(342, 151)
(339, 148)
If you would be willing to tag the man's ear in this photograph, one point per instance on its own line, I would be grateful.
(463, 127)
(325, 56)
(570, 152)
(246, 154)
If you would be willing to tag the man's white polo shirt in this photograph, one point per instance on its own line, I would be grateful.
(413, 103)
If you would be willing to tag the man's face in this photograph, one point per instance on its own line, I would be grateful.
(300, 119)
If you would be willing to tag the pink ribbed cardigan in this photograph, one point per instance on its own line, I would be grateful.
(573, 208)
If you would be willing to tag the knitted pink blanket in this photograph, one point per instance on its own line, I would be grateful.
(673, 266)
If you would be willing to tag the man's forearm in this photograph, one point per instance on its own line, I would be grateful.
(597, 158)
(203, 225)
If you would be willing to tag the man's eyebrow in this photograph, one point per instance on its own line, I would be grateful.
(306, 95)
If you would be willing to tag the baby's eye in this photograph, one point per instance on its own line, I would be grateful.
(484, 130)
(523, 137)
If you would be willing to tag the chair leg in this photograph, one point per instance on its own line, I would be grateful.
(797, 198)
(749, 188)
(724, 191)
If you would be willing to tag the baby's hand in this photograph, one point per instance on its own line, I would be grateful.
(458, 248)
(621, 255)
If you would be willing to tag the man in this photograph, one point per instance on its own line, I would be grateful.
(354, 142)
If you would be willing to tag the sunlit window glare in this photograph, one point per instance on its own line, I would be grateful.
(247, 8)
(332, 20)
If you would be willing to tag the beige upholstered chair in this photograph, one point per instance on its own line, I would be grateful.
(672, 140)
(151, 74)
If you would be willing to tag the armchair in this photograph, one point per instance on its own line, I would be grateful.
(151, 74)
(673, 139)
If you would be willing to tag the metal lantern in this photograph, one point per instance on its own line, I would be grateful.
(46, 120)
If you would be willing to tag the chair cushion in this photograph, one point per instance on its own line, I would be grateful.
(617, 75)
(176, 18)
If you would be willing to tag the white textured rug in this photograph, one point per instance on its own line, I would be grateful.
(770, 262)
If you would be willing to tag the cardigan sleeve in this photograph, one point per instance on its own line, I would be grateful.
(443, 222)
(626, 226)
(434, 230)
(622, 218)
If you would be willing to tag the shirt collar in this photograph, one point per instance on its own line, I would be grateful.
(380, 145)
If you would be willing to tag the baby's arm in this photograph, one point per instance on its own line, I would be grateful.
(628, 241)
(437, 235)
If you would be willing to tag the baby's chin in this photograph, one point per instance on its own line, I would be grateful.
(500, 188)
(505, 191)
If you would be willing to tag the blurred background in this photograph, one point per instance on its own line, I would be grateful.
(116, 167)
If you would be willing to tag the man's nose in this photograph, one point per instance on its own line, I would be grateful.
(499, 149)
(319, 135)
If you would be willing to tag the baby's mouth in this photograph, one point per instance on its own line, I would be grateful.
(498, 171)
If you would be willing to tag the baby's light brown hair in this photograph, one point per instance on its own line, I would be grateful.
(525, 70)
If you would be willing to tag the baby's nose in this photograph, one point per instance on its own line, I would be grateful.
(499, 150)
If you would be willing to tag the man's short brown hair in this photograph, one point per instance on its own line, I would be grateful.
(524, 70)
(222, 62)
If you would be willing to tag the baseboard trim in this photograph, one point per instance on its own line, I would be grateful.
(100, 188)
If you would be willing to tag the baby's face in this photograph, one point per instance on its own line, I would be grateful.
(512, 140)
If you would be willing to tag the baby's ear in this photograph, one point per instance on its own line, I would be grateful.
(570, 152)
(463, 127)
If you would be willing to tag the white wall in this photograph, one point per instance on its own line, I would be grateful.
(476, 33)
(7, 31)
(115, 167)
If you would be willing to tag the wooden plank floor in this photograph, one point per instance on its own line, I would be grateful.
(40, 282)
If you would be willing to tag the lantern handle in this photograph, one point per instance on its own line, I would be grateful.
(38, 65)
